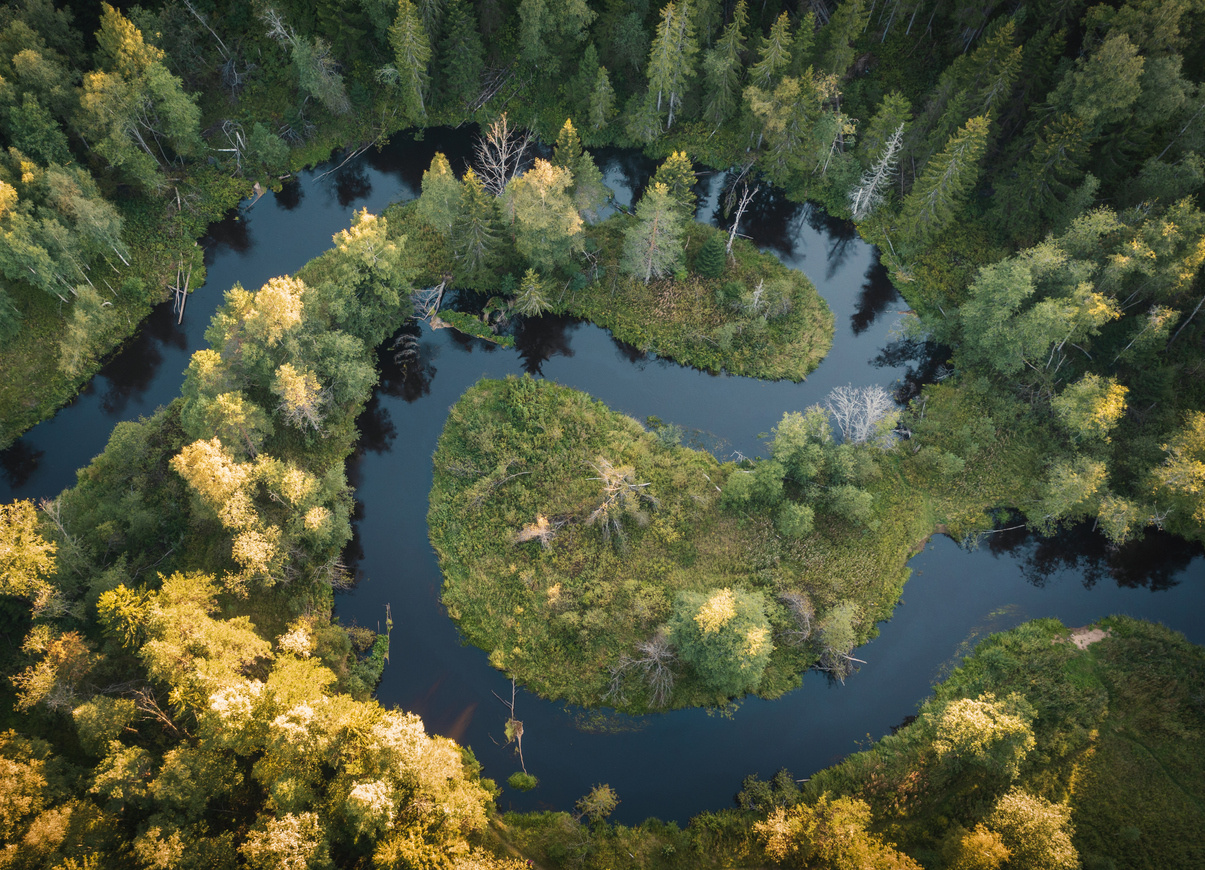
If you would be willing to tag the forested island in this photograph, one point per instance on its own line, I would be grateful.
(179, 691)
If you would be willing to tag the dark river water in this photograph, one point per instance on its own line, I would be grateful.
(676, 764)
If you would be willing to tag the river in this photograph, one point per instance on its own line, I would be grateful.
(671, 765)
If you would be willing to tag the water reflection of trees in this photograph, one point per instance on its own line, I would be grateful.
(351, 182)
(876, 294)
(19, 461)
(924, 362)
(406, 364)
(230, 232)
(290, 195)
(1156, 561)
(131, 372)
(841, 236)
(539, 339)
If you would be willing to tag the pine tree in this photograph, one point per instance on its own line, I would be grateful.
(678, 177)
(411, 53)
(774, 56)
(463, 57)
(671, 61)
(942, 189)
(653, 245)
(722, 69)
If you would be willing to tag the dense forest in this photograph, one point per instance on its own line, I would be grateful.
(178, 692)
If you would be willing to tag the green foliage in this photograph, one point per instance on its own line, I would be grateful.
(521, 781)
(653, 245)
(711, 258)
(725, 638)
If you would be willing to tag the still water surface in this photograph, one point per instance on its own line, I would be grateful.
(676, 764)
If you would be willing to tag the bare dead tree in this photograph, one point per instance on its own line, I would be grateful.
(746, 197)
(799, 605)
(514, 727)
(542, 530)
(499, 154)
(653, 662)
(864, 414)
(871, 189)
(427, 300)
(621, 495)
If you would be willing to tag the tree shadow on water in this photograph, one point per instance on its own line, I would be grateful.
(1155, 561)
(539, 339)
(876, 295)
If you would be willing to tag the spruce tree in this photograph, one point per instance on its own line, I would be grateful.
(475, 232)
(462, 56)
(653, 245)
(848, 20)
(439, 203)
(774, 56)
(942, 189)
(602, 102)
(722, 69)
(671, 61)
(678, 177)
(411, 53)
(588, 191)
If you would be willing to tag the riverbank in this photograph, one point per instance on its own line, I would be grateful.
(1059, 754)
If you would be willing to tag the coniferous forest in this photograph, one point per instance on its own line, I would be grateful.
(178, 690)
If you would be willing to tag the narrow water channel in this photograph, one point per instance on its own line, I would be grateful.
(671, 765)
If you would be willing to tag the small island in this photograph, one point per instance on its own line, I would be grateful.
(530, 242)
(603, 563)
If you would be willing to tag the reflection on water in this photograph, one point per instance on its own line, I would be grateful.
(290, 195)
(539, 339)
(1156, 561)
(19, 461)
(953, 595)
(876, 294)
(922, 362)
(349, 183)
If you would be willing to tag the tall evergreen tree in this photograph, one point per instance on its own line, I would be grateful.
(602, 102)
(848, 21)
(774, 55)
(475, 232)
(439, 203)
(671, 61)
(462, 56)
(653, 245)
(722, 69)
(549, 30)
(678, 177)
(411, 54)
(942, 189)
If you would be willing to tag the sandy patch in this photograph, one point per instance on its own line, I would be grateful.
(1085, 637)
